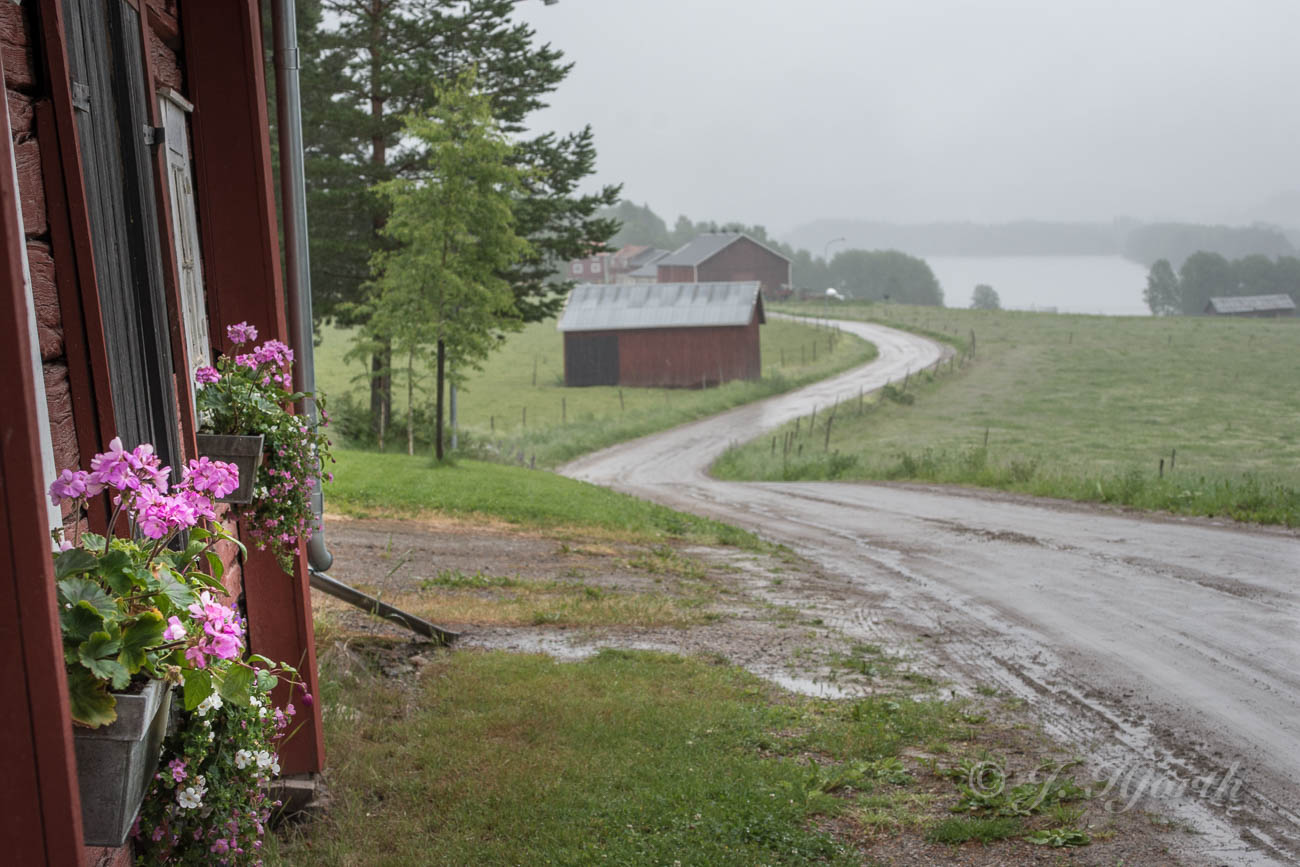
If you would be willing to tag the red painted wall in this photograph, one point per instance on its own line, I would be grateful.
(676, 274)
(745, 260)
(689, 357)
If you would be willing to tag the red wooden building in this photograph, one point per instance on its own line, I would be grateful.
(686, 335)
(137, 216)
(718, 257)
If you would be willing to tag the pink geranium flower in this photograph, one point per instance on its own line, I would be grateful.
(241, 333)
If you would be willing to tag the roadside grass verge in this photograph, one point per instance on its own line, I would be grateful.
(518, 404)
(1078, 407)
(634, 757)
(370, 484)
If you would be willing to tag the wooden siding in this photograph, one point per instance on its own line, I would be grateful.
(241, 261)
(234, 188)
(676, 274)
(688, 357)
(40, 814)
(745, 260)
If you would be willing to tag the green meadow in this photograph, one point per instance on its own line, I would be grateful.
(518, 402)
(1196, 415)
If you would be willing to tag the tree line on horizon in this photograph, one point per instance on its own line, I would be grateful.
(1205, 275)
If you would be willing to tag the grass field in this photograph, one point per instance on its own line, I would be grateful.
(518, 402)
(1083, 407)
(368, 484)
(635, 757)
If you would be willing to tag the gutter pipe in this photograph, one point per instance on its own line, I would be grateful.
(293, 203)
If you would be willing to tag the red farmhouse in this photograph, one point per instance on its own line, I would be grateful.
(726, 257)
(662, 334)
(137, 216)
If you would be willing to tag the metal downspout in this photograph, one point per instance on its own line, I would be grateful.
(293, 202)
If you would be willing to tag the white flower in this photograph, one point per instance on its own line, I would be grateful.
(254, 702)
(264, 759)
(243, 758)
(275, 768)
(189, 797)
(212, 702)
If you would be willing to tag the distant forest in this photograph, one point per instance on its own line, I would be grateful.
(876, 274)
(1144, 243)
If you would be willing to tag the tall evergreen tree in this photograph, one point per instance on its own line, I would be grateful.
(378, 61)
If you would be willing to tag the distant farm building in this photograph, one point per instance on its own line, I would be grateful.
(1252, 305)
(662, 334)
(727, 257)
(613, 267)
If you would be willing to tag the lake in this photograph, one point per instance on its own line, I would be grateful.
(1072, 284)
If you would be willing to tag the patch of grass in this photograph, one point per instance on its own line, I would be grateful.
(491, 600)
(1079, 407)
(493, 758)
(368, 484)
(665, 560)
(965, 829)
(454, 579)
(518, 401)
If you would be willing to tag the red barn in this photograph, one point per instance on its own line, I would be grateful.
(662, 334)
(137, 217)
(726, 257)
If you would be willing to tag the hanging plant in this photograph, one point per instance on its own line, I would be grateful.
(208, 802)
(248, 394)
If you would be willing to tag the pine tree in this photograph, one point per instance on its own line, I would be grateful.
(381, 60)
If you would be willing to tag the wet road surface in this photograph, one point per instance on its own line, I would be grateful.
(1168, 650)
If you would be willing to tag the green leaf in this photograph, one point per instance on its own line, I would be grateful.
(73, 561)
(235, 684)
(198, 686)
(177, 592)
(118, 572)
(214, 563)
(74, 590)
(145, 633)
(98, 653)
(89, 699)
(93, 542)
(80, 621)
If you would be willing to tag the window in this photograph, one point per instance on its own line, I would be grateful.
(577, 267)
(106, 65)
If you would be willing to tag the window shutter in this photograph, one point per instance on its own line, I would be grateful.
(185, 229)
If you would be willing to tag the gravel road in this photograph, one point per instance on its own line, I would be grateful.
(1168, 650)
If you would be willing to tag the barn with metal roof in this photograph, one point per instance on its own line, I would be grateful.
(726, 256)
(1252, 305)
(684, 335)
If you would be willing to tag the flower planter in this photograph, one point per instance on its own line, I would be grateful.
(115, 762)
(245, 452)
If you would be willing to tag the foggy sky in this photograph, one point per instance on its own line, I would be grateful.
(781, 111)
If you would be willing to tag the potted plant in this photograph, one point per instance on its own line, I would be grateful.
(245, 396)
(209, 803)
(138, 617)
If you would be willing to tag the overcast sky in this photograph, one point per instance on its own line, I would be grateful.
(910, 110)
